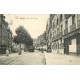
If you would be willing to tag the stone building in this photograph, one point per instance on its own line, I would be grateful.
(5, 35)
(49, 33)
(65, 33)
(48, 36)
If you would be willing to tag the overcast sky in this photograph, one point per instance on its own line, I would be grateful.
(35, 24)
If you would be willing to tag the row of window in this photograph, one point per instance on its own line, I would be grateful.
(60, 29)
(57, 21)
(58, 46)
(61, 18)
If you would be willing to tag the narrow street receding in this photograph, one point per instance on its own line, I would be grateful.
(39, 39)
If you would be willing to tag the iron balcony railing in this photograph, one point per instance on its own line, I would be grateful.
(73, 27)
(66, 31)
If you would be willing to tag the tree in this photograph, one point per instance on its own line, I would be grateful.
(16, 39)
(23, 36)
(43, 40)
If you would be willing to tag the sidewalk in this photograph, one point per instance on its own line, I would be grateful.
(57, 59)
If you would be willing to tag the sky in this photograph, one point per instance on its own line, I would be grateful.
(34, 23)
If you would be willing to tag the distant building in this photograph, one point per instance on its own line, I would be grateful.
(64, 33)
(40, 42)
(5, 35)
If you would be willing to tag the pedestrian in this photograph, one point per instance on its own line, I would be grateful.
(9, 49)
(7, 52)
(20, 51)
(42, 50)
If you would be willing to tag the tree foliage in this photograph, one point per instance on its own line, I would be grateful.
(22, 36)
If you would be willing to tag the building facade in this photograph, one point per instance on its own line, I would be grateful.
(48, 36)
(5, 35)
(65, 33)
(49, 32)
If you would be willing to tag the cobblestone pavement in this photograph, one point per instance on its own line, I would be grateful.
(57, 59)
(27, 58)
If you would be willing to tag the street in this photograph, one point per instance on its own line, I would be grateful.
(27, 58)
(38, 58)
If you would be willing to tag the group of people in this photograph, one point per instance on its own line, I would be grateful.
(8, 51)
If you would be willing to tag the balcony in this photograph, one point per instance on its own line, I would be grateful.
(66, 31)
(73, 27)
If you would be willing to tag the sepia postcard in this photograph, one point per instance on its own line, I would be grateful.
(39, 39)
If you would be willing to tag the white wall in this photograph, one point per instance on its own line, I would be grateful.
(73, 46)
